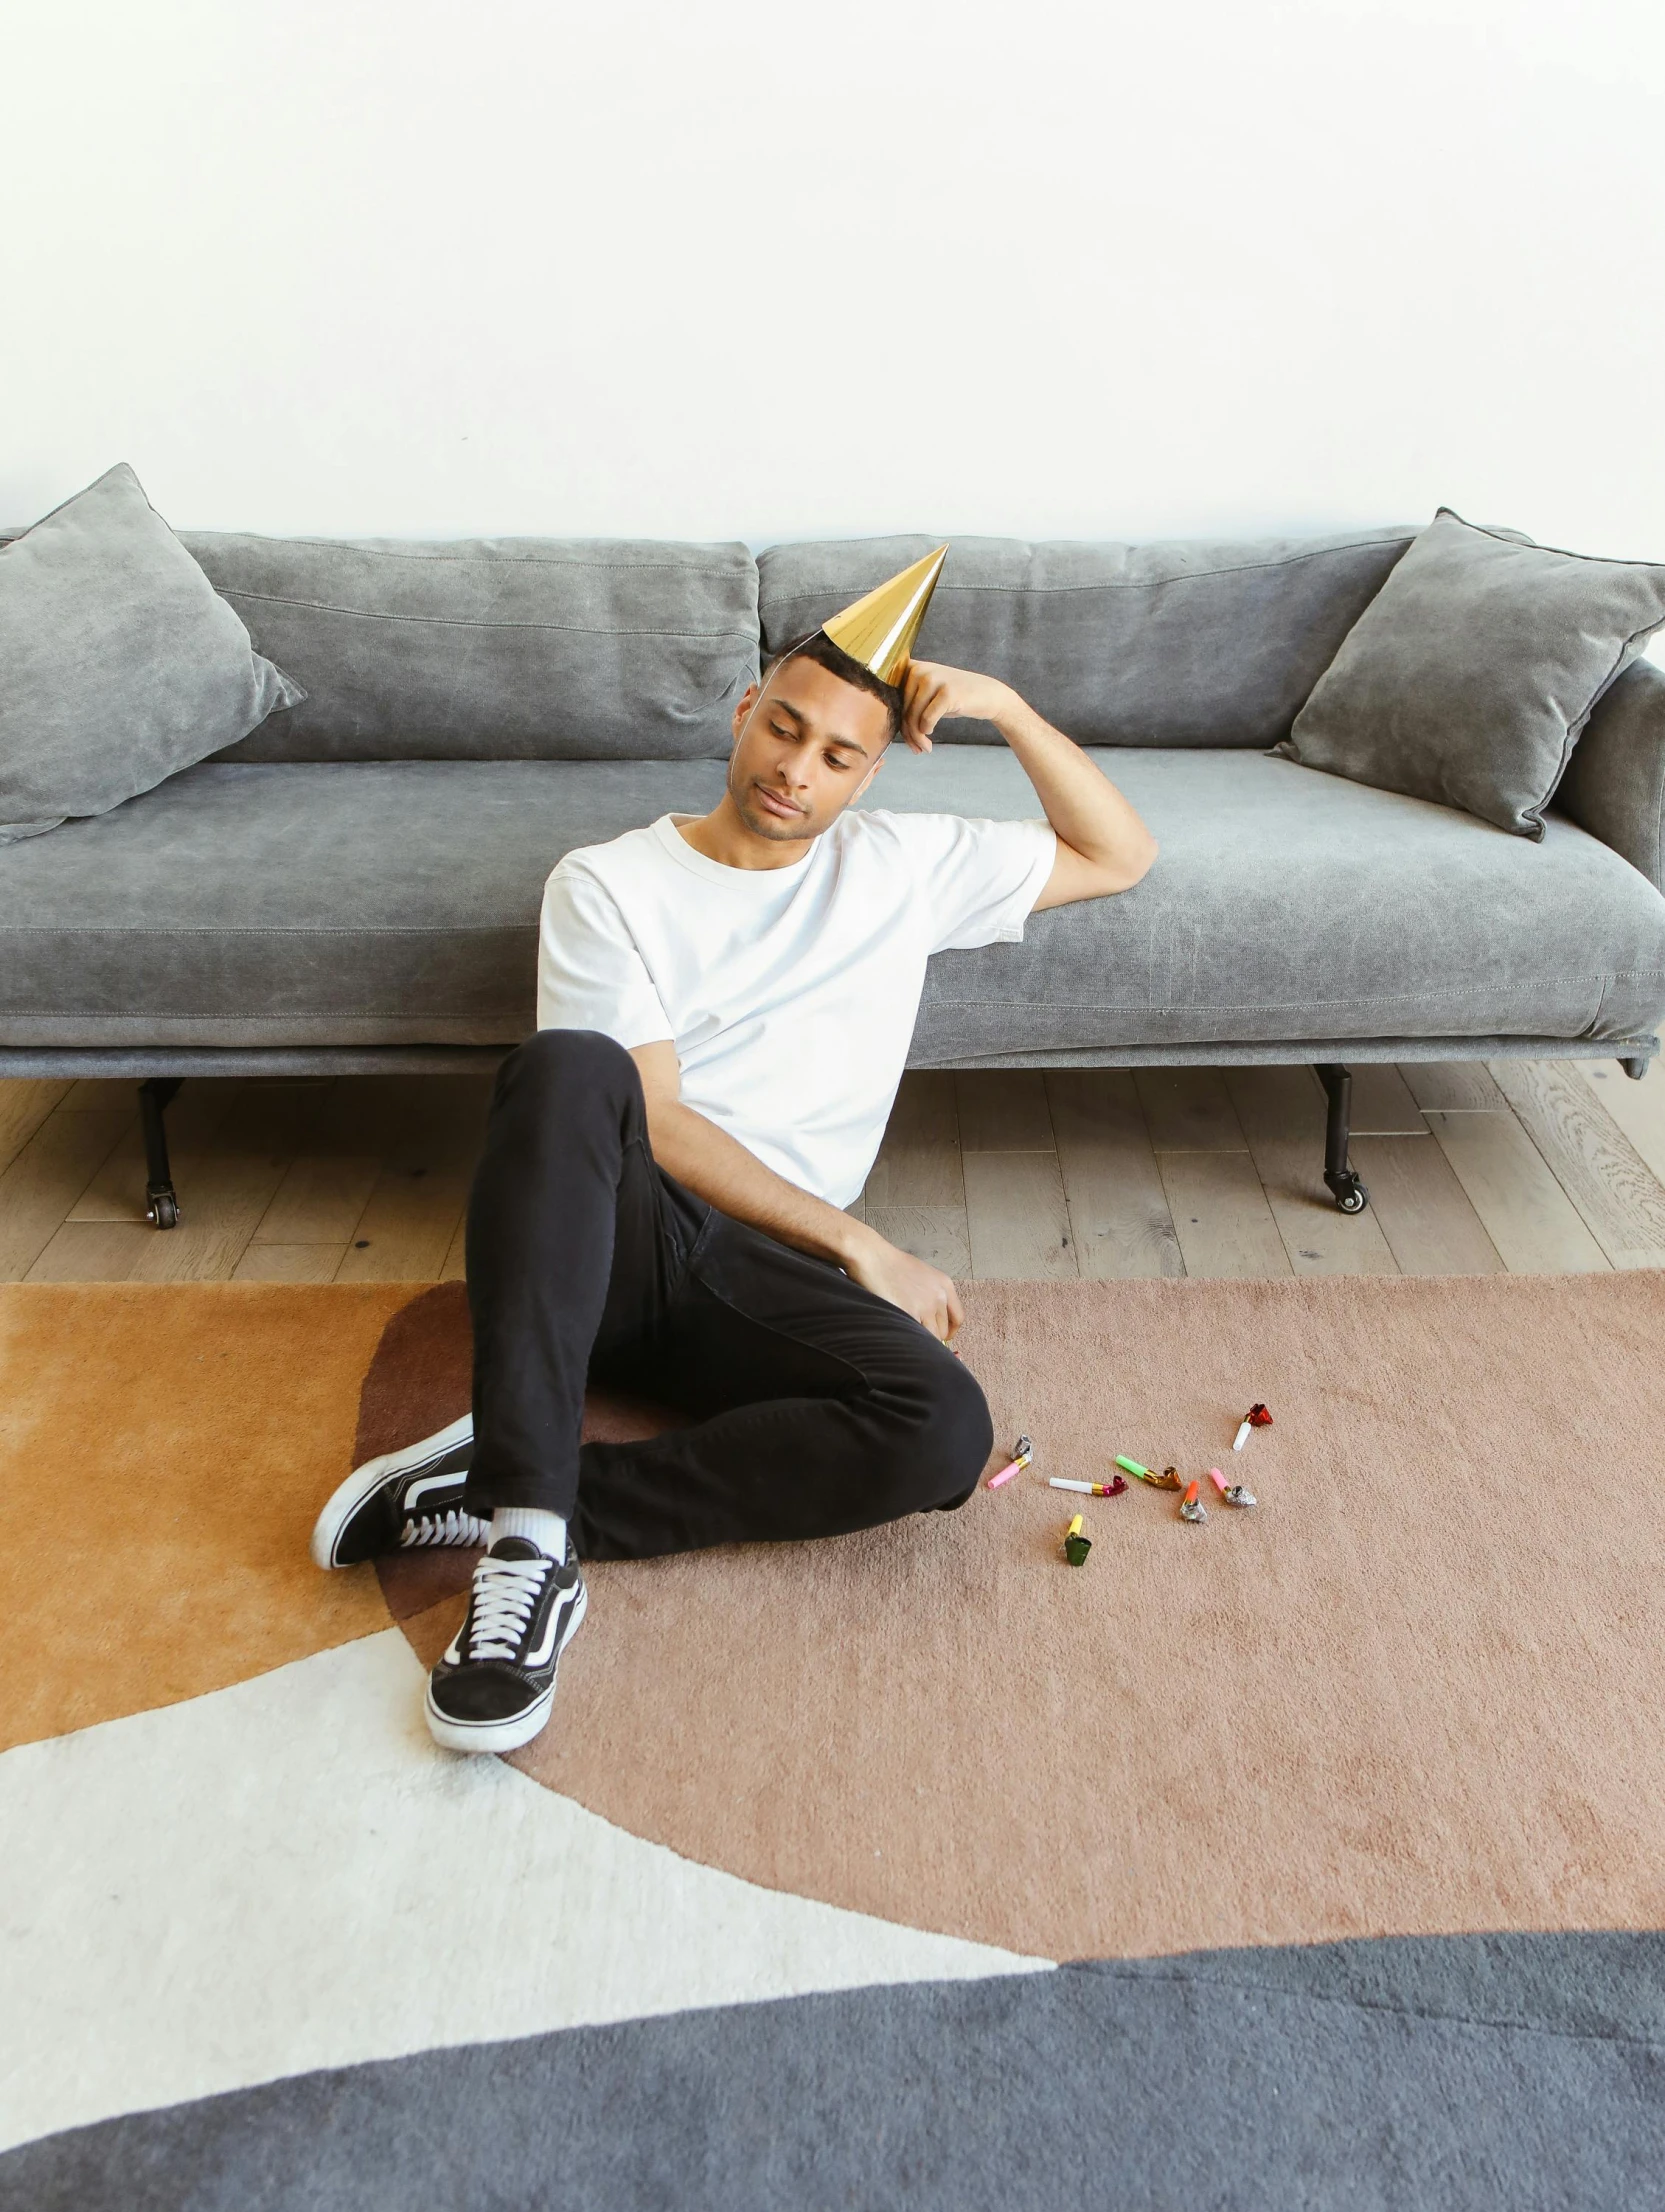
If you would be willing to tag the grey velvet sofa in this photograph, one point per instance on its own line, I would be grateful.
(355, 886)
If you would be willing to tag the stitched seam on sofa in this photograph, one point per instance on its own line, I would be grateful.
(464, 622)
(483, 560)
(518, 929)
(1519, 1041)
(1619, 975)
(234, 1015)
(1562, 552)
(270, 929)
(1131, 583)
(1276, 1006)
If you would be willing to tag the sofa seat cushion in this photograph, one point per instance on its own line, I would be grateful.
(1289, 905)
(396, 903)
(310, 903)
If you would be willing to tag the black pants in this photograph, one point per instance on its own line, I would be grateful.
(817, 1407)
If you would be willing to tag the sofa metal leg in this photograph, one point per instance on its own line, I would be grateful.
(161, 1200)
(1345, 1188)
(1636, 1069)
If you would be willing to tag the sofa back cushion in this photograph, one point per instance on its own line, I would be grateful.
(493, 648)
(1178, 642)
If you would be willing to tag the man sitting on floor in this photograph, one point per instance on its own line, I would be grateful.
(724, 1005)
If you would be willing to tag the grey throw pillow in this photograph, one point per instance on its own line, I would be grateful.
(119, 662)
(1470, 674)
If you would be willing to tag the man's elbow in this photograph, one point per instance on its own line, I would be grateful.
(1131, 867)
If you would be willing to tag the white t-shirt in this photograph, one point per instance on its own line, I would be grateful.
(789, 993)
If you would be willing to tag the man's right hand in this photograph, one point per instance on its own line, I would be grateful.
(717, 1167)
(914, 1285)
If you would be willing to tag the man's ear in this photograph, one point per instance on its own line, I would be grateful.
(743, 707)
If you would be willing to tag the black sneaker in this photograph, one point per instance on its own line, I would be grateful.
(402, 1500)
(493, 1689)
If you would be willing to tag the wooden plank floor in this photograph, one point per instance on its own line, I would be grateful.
(1527, 1166)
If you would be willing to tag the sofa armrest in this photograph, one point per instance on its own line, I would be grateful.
(1614, 786)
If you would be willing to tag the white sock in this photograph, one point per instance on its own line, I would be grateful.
(547, 1530)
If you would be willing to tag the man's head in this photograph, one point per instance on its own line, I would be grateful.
(809, 739)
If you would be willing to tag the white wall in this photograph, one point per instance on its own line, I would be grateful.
(758, 268)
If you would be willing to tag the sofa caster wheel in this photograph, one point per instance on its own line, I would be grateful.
(1349, 1193)
(162, 1209)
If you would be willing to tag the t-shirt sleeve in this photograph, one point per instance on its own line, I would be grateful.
(590, 974)
(979, 880)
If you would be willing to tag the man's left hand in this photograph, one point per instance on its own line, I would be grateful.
(932, 693)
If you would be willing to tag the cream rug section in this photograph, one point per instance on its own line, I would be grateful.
(286, 1874)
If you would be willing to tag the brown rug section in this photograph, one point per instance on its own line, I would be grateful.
(163, 1452)
(420, 1380)
(1415, 1691)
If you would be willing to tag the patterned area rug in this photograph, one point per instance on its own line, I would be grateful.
(1345, 1808)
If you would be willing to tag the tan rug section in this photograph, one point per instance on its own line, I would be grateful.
(1417, 1689)
(163, 1452)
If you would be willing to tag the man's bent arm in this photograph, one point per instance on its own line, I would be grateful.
(719, 1169)
(1103, 846)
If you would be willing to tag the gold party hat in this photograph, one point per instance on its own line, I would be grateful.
(879, 629)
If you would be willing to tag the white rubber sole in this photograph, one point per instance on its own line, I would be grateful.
(346, 1500)
(504, 1735)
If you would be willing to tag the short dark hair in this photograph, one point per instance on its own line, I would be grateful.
(816, 646)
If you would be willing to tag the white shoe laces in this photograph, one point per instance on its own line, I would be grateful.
(505, 1591)
(446, 1528)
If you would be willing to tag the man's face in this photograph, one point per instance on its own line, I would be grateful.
(805, 745)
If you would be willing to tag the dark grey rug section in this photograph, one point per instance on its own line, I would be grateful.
(1504, 2072)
